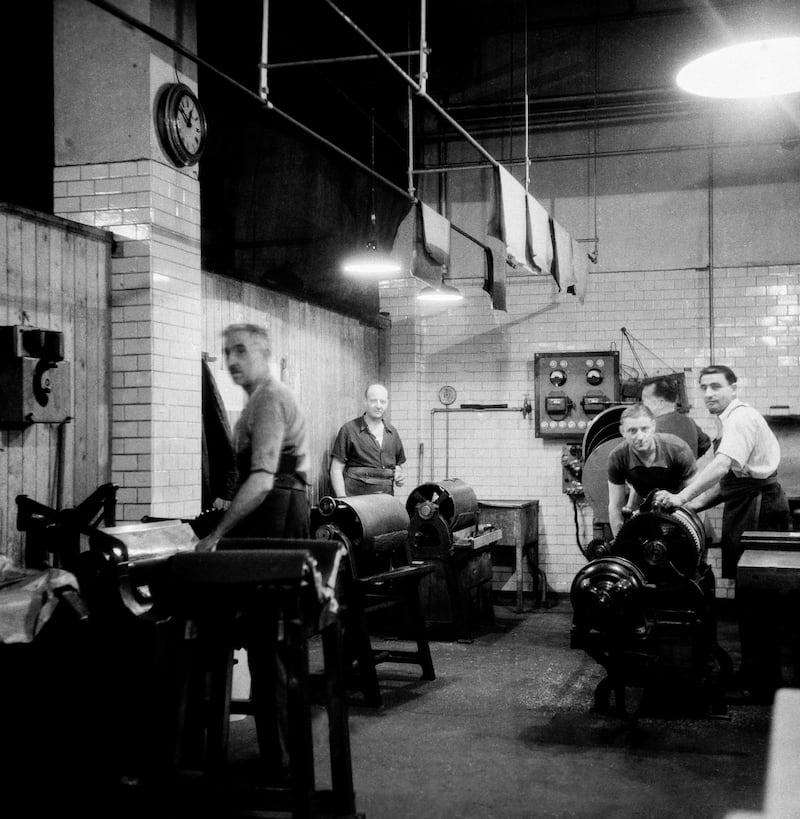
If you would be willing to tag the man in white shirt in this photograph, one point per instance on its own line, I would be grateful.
(742, 475)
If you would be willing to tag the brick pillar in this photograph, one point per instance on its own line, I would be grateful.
(110, 173)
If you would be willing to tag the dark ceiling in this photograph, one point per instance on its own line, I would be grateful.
(281, 205)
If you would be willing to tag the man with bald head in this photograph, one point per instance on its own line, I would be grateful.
(368, 455)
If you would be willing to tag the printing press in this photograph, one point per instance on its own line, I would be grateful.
(643, 608)
(164, 622)
(381, 582)
(445, 529)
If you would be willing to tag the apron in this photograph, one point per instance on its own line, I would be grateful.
(751, 504)
(368, 480)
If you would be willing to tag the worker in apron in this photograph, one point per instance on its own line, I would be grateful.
(368, 455)
(743, 476)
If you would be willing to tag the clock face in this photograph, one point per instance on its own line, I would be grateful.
(181, 124)
(189, 125)
(447, 395)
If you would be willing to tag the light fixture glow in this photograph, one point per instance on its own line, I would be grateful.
(760, 68)
(443, 294)
(371, 263)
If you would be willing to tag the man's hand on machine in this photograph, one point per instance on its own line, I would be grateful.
(666, 500)
(207, 544)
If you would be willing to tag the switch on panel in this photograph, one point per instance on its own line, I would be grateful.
(586, 383)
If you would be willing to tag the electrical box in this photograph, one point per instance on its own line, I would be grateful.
(572, 469)
(572, 389)
(35, 381)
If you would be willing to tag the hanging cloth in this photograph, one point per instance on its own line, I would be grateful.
(580, 268)
(509, 220)
(423, 243)
(435, 236)
(539, 240)
(494, 281)
(562, 256)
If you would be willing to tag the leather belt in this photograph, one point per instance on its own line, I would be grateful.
(369, 474)
(288, 482)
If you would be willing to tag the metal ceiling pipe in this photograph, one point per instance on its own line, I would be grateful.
(667, 149)
(415, 85)
(263, 87)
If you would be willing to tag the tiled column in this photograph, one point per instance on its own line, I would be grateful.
(153, 212)
(111, 172)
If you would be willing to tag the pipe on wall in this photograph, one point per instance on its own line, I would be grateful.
(711, 340)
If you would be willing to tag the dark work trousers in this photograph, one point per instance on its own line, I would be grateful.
(754, 505)
(284, 514)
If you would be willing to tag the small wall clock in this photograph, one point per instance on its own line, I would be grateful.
(181, 124)
(447, 395)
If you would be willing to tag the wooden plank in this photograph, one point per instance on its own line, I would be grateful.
(6, 306)
(13, 438)
(43, 450)
(32, 314)
(95, 394)
(81, 422)
(104, 320)
(67, 268)
(6, 529)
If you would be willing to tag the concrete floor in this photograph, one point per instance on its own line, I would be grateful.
(506, 730)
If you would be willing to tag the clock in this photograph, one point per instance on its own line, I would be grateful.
(181, 124)
(447, 395)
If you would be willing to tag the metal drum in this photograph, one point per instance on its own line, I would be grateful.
(666, 546)
(605, 427)
(599, 439)
(452, 500)
(608, 594)
(369, 522)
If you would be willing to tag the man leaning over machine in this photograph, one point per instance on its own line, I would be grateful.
(646, 460)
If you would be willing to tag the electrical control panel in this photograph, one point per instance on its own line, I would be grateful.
(572, 389)
(572, 469)
(35, 381)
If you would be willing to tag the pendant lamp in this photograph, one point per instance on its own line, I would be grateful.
(753, 68)
(369, 262)
(443, 294)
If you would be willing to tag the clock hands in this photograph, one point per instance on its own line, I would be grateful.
(187, 117)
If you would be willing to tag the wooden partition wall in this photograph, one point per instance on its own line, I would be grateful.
(327, 359)
(54, 274)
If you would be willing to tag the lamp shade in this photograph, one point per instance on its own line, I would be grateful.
(371, 263)
(445, 293)
(753, 69)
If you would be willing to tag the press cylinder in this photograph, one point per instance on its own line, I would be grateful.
(369, 522)
(452, 500)
(666, 546)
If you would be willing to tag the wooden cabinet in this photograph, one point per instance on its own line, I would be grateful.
(519, 522)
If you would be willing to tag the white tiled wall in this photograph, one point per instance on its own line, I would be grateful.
(154, 213)
(487, 356)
